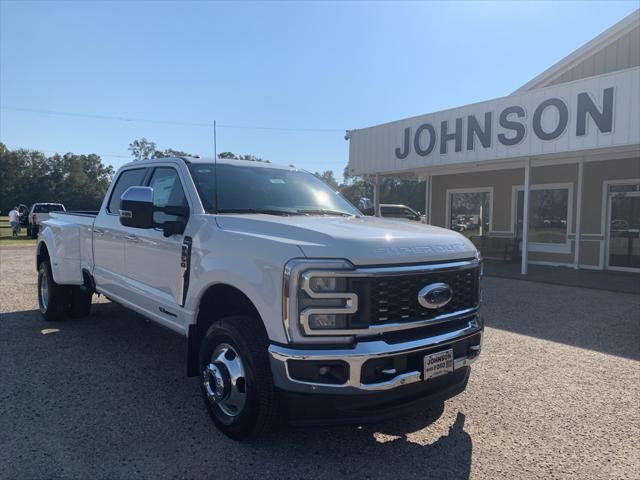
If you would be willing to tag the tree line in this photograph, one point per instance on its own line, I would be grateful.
(30, 176)
(80, 181)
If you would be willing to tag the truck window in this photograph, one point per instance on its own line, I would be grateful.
(128, 178)
(398, 212)
(252, 188)
(47, 208)
(167, 191)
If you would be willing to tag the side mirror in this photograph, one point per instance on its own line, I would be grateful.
(136, 207)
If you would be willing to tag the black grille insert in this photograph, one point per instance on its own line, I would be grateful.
(394, 298)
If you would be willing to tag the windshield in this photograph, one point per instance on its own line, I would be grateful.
(252, 189)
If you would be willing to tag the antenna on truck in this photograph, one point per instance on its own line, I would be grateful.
(215, 166)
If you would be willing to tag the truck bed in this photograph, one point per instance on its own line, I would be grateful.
(83, 213)
(71, 235)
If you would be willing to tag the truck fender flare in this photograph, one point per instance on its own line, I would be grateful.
(239, 303)
(62, 270)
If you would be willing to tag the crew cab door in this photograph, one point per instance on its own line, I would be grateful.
(152, 261)
(108, 237)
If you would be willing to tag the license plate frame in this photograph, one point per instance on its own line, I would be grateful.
(437, 364)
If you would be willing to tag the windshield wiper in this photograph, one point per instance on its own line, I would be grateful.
(266, 211)
(324, 211)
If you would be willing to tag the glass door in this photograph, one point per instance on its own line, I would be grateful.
(623, 250)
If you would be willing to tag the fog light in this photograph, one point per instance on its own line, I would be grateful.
(327, 321)
(335, 372)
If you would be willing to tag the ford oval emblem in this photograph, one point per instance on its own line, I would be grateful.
(434, 296)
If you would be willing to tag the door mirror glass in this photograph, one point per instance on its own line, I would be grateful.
(136, 207)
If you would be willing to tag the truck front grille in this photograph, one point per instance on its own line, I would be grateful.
(394, 298)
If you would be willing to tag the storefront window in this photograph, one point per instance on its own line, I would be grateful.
(470, 212)
(548, 214)
(624, 226)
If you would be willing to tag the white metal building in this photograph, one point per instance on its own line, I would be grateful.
(561, 156)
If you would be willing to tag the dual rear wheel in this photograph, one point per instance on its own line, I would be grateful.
(59, 301)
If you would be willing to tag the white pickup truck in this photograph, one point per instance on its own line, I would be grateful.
(293, 304)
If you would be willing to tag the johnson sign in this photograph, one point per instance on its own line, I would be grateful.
(588, 114)
(513, 123)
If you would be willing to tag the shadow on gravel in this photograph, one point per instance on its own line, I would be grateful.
(107, 397)
(597, 320)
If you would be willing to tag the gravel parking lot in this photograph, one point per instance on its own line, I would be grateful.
(556, 394)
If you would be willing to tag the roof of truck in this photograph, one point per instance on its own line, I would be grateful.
(221, 161)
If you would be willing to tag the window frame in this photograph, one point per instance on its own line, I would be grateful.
(404, 212)
(451, 191)
(542, 247)
(149, 176)
(606, 224)
(115, 184)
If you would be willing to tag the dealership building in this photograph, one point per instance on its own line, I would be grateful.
(547, 175)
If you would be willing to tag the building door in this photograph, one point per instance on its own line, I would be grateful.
(623, 242)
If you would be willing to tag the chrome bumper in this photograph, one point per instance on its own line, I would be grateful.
(362, 352)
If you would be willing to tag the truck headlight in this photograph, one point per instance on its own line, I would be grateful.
(316, 300)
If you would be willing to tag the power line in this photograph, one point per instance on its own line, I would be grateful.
(284, 128)
(105, 117)
(166, 122)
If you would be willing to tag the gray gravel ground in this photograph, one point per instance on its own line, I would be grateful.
(556, 394)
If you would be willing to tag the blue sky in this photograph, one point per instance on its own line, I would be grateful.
(325, 66)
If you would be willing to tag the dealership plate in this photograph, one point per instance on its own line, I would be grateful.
(438, 364)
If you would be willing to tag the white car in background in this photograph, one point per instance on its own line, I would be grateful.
(39, 213)
(389, 210)
(405, 212)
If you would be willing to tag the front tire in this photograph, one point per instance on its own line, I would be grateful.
(236, 380)
(52, 298)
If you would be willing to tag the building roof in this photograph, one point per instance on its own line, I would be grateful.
(627, 27)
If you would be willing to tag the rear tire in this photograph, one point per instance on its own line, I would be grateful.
(52, 298)
(80, 302)
(241, 409)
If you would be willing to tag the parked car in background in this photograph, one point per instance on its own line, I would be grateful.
(388, 210)
(39, 213)
(459, 227)
(24, 215)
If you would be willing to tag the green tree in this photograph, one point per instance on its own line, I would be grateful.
(405, 192)
(141, 149)
(328, 178)
(28, 176)
(170, 152)
(233, 156)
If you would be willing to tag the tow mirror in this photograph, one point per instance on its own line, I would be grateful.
(136, 207)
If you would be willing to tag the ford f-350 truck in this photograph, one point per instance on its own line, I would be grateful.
(294, 305)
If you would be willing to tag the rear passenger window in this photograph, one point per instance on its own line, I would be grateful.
(128, 178)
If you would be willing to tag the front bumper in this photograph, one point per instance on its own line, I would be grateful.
(372, 366)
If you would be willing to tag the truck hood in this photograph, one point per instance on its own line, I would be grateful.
(363, 240)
